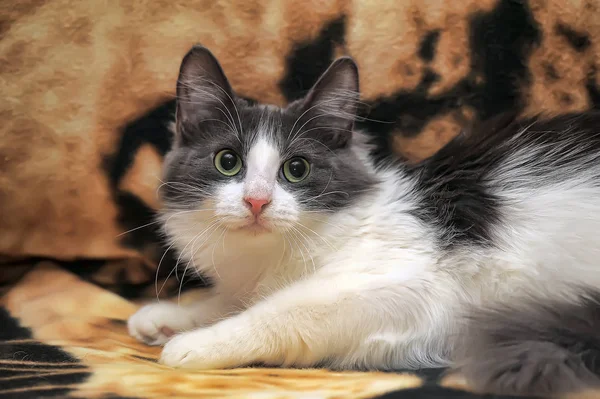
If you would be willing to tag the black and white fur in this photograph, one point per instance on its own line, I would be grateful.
(484, 256)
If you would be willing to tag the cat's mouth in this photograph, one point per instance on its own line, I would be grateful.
(255, 226)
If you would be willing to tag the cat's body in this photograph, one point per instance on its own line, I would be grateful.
(364, 266)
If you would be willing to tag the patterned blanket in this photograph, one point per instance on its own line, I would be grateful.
(87, 93)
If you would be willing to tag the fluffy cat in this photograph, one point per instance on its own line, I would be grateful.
(483, 257)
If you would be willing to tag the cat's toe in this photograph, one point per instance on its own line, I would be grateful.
(156, 324)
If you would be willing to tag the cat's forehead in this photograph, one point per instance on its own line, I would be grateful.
(268, 123)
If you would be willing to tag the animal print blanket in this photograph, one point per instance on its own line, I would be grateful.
(87, 92)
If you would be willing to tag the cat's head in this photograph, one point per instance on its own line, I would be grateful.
(261, 169)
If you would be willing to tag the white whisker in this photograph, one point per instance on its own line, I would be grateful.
(181, 253)
(137, 228)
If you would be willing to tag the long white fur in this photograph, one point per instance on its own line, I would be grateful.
(366, 287)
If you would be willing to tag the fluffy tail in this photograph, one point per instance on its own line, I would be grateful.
(535, 348)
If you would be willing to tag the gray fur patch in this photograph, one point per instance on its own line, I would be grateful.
(535, 348)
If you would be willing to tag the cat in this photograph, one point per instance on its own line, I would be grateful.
(483, 257)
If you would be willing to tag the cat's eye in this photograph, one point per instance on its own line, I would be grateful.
(296, 169)
(228, 163)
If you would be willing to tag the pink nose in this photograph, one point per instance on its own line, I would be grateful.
(256, 205)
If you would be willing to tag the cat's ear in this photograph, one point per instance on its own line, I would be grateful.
(203, 91)
(331, 105)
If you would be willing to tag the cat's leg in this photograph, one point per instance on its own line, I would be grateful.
(156, 323)
(346, 320)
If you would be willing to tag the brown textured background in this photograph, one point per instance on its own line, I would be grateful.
(87, 90)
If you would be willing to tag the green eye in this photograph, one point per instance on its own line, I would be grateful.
(296, 169)
(228, 163)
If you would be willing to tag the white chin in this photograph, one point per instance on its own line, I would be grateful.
(257, 229)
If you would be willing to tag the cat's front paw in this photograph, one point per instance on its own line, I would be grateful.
(200, 349)
(155, 324)
(227, 344)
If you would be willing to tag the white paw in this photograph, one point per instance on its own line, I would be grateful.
(230, 343)
(155, 324)
(200, 349)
